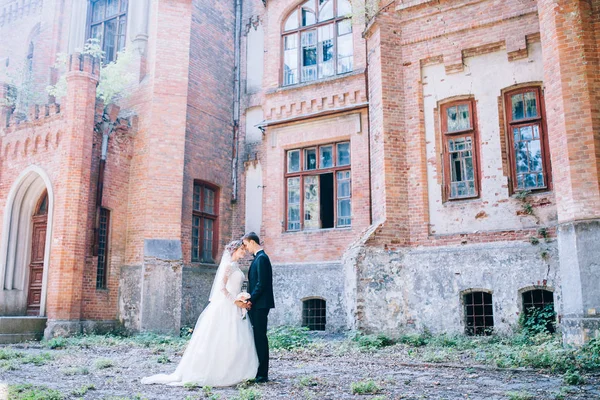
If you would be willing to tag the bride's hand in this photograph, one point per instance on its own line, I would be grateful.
(240, 303)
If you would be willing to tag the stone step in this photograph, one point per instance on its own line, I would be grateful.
(20, 329)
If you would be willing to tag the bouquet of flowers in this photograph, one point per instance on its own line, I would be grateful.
(243, 297)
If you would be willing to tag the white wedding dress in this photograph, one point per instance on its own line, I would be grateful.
(221, 351)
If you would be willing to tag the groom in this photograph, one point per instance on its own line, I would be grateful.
(260, 287)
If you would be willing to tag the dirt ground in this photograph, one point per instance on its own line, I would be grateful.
(326, 371)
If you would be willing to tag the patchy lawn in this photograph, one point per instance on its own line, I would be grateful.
(312, 366)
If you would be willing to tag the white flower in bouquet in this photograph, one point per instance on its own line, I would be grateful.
(243, 297)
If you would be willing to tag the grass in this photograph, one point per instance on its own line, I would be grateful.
(83, 390)
(519, 396)
(30, 392)
(56, 343)
(288, 338)
(365, 387)
(247, 394)
(308, 381)
(104, 363)
(76, 371)
(573, 378)
(163, 359)
(371, 342)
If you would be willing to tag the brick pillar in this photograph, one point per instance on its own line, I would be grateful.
(572, 91)
(69, 232)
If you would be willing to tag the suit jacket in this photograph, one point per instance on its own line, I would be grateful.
(260, 282)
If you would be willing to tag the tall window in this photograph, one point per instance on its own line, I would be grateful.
(318, 183)
(479, 313)
(461, 174)
(204, 222)
(108, 23)
(103, 230)
(317, 41)
(528, 144)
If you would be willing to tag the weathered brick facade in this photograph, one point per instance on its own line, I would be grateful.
(209, 106)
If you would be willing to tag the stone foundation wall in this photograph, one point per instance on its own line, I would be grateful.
(421, 289)
(197, 282)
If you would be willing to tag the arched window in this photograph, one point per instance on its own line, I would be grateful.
(317, 41)
(479, 313)
(107, 23)
(538, 305)
(314, 314)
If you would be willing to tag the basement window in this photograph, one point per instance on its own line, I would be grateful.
(539, 305)
(314, 314)
(479, 313)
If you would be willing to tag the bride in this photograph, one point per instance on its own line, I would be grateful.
(221, 351)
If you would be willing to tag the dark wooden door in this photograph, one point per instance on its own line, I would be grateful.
(36, 267)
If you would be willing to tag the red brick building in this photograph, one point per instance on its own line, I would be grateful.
(415, 165)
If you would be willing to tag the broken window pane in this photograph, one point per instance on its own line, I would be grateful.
(293, 161)
(540, 300)
(462, 170)
(311, 202)
(326, 67)
(290, 59)
(344, 199)
(529, 166)
(293, 204)
(310, 159)
(458, 118)
(309, 56)
(343, 154)
(326, 156)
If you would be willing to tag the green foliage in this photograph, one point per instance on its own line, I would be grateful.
(30, 392)
(163, 359)
(38, 359)
(371, 342)
(573, 378)
(190, 385)
(104, 363)
(288, 338)
(8, 354)
(365, 387)
(247, 394)
(308, 381)
(519, 396)
(536, 320)
(83, 390)
(56, 343)
(76, 371)
(186, 331)
(115, 77)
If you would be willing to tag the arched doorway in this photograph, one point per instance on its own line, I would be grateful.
(25, 245)
(36, 264)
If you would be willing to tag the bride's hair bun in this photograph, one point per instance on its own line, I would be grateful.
(233, 246)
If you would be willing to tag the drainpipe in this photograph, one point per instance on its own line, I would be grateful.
(107, 126)
(236, 99)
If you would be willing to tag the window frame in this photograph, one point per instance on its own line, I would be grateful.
(473, 330)
(298, 32)
(118, 16)
(317, 171)
(472, 132)
(201, 214)
(102, 262)
(510, 124)
(317, 305)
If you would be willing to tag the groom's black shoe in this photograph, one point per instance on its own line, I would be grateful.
(261, 379)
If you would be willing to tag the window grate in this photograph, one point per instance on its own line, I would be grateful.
(102, 248)
(479, 313)
(539, 299)
(314, 314)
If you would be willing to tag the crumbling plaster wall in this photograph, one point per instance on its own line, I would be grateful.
(420, 289)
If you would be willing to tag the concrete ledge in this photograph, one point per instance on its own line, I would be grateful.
(21, 329)
(99, 327)
(56, 328)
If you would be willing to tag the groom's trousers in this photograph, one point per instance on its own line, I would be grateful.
(259, 319)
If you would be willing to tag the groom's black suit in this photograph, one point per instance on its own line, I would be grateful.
(260, 287)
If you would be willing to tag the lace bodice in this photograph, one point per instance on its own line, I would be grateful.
(231, 283)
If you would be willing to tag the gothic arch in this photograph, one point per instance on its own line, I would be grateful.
(16, 239)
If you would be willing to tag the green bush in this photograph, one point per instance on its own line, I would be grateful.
(56, 343)
(288, 338)
(371, 342)
(30, 392)
(365, 387)
(538, 320)
(573, 378)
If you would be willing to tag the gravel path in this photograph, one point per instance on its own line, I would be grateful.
(319, 373)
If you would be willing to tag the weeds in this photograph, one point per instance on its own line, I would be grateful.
(519, 396)
(365, 387)
(30, 392)
(247, 394)
(288, 338)
(308, 381)
(573, 378)
(104, 363)
(371, 342)
(83, 390)
(39, 359)
(163, 359)
(56, 343)
(76, 371)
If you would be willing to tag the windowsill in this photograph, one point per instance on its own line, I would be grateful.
(322, 231)
(535, 192)
(197, 264)
(316, 82)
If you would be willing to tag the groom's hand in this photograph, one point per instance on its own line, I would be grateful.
(240, 303)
